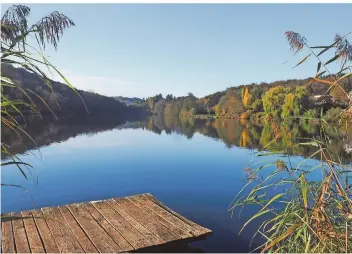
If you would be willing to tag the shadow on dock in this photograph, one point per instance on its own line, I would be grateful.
(177, 247)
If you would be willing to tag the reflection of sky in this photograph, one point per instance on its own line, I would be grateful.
(107, 139)
(197, 177)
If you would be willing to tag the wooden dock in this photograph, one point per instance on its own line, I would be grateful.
(125, 224)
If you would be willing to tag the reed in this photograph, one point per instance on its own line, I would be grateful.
(23, 45)
(297, 212)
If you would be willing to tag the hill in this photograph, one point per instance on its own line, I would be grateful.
(134, 101)
(62, 100)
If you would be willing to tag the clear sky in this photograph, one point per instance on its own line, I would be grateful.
(145, 49)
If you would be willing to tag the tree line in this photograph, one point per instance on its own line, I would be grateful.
(279, 100)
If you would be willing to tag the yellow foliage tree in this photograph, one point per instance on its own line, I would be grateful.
(246, 98)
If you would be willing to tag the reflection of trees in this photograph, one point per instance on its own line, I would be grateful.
(245, 139)
(310, 127)
(248, 134)
(47, 130)
(257, 135)
(229, 131)
(182, 125)
(267, 135)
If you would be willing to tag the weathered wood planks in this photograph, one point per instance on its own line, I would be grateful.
(114, 225)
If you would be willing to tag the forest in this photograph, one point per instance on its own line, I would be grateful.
(287, 99)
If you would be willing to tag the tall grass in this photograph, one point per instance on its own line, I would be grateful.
(23, 45)
(299, 213)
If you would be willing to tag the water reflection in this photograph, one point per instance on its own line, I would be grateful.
(244, 133)
(50, 130)
(258, 135)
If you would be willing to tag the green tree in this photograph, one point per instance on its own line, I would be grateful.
(273, 101)
(301, 100)
(289, 106)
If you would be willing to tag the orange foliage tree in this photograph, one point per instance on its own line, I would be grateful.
(246, 98)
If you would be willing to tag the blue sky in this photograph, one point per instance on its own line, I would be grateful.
(145, 49)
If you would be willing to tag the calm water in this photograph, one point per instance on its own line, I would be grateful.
(193, 166)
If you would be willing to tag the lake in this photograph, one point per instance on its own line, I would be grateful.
(196, 167)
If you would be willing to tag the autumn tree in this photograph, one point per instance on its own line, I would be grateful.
(230, 104)
(242, 92)
(246, 98)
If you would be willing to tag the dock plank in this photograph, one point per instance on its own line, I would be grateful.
(82, 238)
(167, 215)
(19, 232)
(103, 242)
(113, 233)
(35, 242)
(8, 242)
(44, 231)
(125, 224)
(64, 237)
(203, 230)
(175, 229)
(146, 219)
